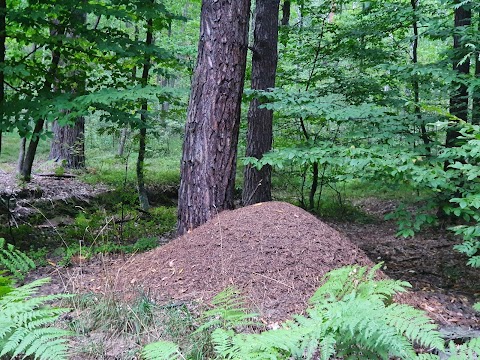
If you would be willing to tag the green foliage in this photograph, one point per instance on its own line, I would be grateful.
(161, 350)
(469, 350)
(351, 316)
(229, 311)
(25, 321)
(25, 318)
(15, 261)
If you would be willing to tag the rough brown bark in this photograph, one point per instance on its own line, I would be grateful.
(459, 99)
(257, 183)
(211, 132)
(68, 144)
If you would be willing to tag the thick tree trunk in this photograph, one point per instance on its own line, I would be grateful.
(459, 99)
(257, 183)
(3, 38)
(142, 192)
(68, 145)
(211, 132)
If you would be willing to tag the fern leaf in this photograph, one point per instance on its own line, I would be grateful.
(327, 347)
(37, 337)
(15, 261)
(469, 350)
(415, 325)
(428, 357)
(25, 324)
(353, 306)
(161, 350)
(476, 306)
(228, 311)
(224, 345)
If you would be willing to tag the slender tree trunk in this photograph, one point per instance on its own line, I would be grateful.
(125, 131)
(123, 140)
(257, 183)
(415, 82)
(3, 38)
(286, 6)
(142, 192)
(476, 92)
(26, 172)
(459, 98)
(21, 154)
(211, 132)
(314, 187)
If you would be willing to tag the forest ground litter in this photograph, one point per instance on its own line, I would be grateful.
(277, 253)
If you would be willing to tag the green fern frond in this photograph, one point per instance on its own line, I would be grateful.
(347, 280)
(360, 325)
(414, 325)
(427, 357)
(25, 324)
(228, 311)
(327, 347)
(360, 319)
(476, 306)
(279, 341)
(224, 344)
(15, 261)
(468, 351)
(162, 350)
(350, 317)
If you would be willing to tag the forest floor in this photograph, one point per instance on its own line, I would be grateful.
(277, 253)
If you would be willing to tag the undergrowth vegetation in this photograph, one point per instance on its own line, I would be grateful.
(351, 316)
(25, 317)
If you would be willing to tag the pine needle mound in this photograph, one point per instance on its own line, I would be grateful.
(276, 253)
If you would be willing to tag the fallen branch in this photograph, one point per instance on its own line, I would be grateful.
(57, 175)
